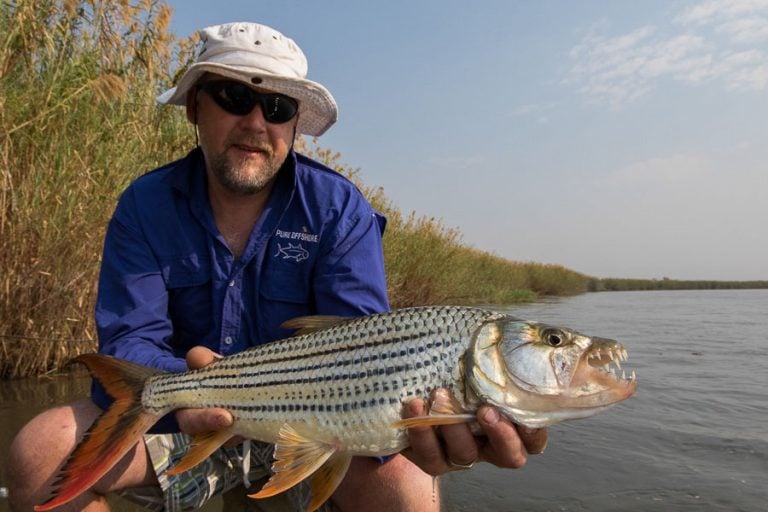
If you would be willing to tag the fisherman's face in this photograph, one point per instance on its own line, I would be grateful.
(242, 152)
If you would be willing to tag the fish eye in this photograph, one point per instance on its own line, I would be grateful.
(554, 337)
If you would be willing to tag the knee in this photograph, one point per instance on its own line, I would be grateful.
(49, 432)
(40, 447)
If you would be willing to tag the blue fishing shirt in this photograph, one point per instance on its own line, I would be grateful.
(169, 282)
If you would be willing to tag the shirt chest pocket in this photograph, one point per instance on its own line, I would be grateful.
(190, 307)
(285, 285)
(285, 294)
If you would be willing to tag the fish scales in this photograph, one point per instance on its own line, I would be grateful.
(349, 381)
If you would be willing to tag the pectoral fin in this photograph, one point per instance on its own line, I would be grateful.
(203, 445)
(296, 457)
(444, 409)
(434, 420)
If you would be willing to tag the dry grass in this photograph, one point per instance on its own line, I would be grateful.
(77, 123)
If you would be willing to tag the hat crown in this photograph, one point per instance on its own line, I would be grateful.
(252, 45)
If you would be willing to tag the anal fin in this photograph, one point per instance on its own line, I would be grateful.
(326, 479)
(203, 445)
(297, 456)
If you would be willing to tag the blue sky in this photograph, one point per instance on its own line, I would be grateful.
(616, 138)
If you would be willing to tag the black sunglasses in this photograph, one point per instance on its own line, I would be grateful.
(239, 99)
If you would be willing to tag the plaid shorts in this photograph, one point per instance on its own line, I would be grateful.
(219, 473)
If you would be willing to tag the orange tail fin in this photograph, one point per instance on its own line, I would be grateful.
(112, 435)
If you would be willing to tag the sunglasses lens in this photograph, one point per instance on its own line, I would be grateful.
(239, 99)
(278, 108)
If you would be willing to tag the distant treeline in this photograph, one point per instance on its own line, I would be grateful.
(618, 284)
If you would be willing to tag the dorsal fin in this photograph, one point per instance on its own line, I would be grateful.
(312, 323)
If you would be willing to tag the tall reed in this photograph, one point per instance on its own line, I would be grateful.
(77, 123)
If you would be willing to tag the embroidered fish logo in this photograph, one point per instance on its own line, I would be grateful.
(292, 252)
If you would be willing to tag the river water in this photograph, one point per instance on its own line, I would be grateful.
(694, 437)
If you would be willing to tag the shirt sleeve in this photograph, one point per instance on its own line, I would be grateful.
(349, 278)
(132, 318)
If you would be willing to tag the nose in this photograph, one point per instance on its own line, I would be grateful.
(254, 120)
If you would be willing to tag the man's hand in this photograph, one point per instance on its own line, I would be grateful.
(197, 421)
(452, 447)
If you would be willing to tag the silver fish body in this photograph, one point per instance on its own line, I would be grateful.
(338, 388)
(348, 383)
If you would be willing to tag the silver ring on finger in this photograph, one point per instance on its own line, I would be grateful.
(459, 467)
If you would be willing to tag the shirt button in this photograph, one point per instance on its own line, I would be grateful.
(228, 340)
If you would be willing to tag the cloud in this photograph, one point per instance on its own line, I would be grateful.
(663, 172)
(745, 30)
(713, 11)
(538, 111)
(719, 40)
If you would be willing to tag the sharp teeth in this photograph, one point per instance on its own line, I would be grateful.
(632, 377)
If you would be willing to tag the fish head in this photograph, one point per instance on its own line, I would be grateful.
(540, 374)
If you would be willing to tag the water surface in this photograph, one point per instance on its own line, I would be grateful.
(695, 435)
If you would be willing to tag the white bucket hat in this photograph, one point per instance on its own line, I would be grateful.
(260, 56)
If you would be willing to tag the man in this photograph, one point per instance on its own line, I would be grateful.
(209, 255)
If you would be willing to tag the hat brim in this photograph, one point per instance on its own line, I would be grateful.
(317, 108)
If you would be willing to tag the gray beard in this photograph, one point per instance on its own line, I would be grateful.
(229, 175)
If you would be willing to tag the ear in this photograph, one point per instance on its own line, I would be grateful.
(192, 105)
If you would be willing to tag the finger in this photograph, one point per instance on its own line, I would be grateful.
(200, 357)
(196, 421)
(460, 446)
(534, 439)
(504, 447)
(425, 449)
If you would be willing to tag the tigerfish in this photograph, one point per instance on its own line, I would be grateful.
(338, 387)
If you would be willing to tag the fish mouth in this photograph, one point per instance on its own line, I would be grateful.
(597, 380)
